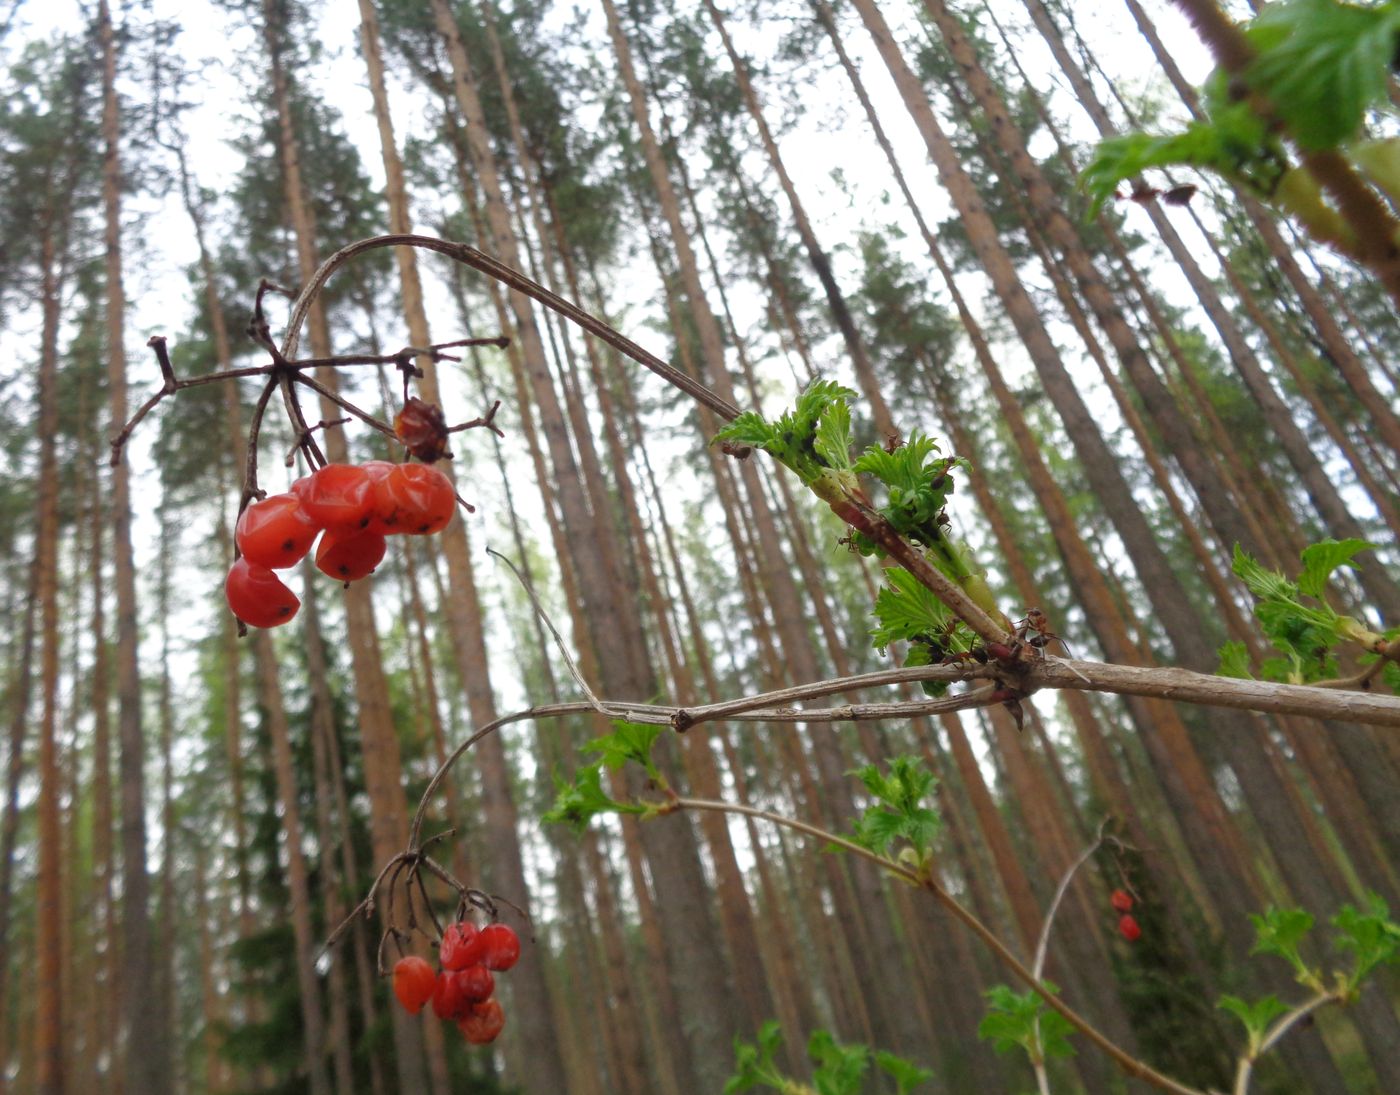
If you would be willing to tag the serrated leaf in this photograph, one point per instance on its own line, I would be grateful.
(1264, 583)
(1233, 141)
(748, 429)
(1023, 1020)
(1234, 661)
(833, 440)
(1279, 932)
(899, 812)
(578, 802)
(1255, 1016)
(1322, 64)
(907, 610)
(840, 1069)
(907, 1075)
(1324, 557)
(628, 741)
(1371, 935)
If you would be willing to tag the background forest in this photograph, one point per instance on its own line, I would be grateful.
(1160, 401)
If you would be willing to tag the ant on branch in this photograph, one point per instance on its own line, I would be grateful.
(1034, 631)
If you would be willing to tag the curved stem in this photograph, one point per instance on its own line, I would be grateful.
(1126, 1061)
(1280, 1028)
(479, 260)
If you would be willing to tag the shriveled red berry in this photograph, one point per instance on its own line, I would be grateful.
(338, 496)
(350, 555)
(500, 947)
(423, 429)
(476, 984)
(414, 981)
(275, 532)
(448, 1001)
(1121, 900)
(415, 499)
(1128, 928)
(483, 1023)
(257, 596)
(461, 946)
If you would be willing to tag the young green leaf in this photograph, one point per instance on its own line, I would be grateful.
(906, 1074)
(629, 741)
(1234, 661)
(1322, 558)
(1280, 932)
(1371, 935)
(1322, 64)
(899, 812)
(907, 610)
(577, 803)
(1023, 1020)
(833, 442)
(840, 1070)
(1255, 1016)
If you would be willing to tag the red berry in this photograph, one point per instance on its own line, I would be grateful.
(476, 984)
(462, 946)
(275, 532)
(1121, 900)
(483, 1022)
(415, 499)
(350, 554)
(338, 496)
(448, 1002)
(1128, 928)
(500, 947)
(422, 429)
(414, 982)
(257, 596)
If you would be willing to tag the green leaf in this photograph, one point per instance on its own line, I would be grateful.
(833, 441)
(748, 429)
(753, 1064)
(1257, 1016)
(1233, 141)
(1234, 661)
(1322, 64)
(1279, 932)
(907, 610)
(1023, 1019)
(920, 653)
(628, 741)
(898, 812)
(840, 1069)
(577, 803)
(1371, 935)
(1322, 558)
(1264, 583)
(907, 1075)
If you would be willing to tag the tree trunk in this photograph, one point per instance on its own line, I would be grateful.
(50, 1031)
(146, 1052)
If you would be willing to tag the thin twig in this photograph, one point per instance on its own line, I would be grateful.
(1285, 1023)
(1126, 1061)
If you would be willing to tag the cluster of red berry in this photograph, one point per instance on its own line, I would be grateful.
(462, 990)
(356, 505)
(1122, 902)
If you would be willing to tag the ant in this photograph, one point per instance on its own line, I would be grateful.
(1035, 631)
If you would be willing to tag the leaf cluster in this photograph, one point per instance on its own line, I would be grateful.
(578, 801)
(899, 820)
(1296, 617)
(1023, 1020)
(1369, 934)
(907, 611)
(1320, 66)
(837, 1069)
(812, 439)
